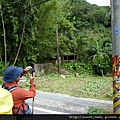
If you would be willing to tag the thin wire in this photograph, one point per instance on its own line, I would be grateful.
(26, 7)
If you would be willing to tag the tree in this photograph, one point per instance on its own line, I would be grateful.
(4, 35)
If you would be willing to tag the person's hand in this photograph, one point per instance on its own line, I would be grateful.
(28, 68)
(32, 79)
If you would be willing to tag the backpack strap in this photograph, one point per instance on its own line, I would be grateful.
(3, 85)
(11, 88)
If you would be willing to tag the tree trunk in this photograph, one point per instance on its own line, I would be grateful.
(4, 35)
(57, 44)
(20, 44)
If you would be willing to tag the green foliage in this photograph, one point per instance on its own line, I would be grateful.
(14, 22)
(94, 88)
(93, 110)
(109, 94)
(100, 58)
(81, 68)
(2, 68)
(79, 25)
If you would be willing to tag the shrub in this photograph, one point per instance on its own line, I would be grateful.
(93, 110)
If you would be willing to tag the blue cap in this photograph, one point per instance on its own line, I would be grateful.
(12, 73)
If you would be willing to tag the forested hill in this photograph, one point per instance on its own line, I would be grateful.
(28, 32)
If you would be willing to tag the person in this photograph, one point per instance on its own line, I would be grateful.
(11, 78)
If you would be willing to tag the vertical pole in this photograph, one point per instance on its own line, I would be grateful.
(115, 22)
(58, 60)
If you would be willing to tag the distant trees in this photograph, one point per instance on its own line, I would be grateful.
(29, 36)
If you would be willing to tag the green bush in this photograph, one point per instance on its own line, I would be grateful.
(93, 110)
(81, 68)
(2, 68)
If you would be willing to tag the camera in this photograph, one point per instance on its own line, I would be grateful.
(32, 71)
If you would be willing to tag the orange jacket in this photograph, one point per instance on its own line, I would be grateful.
(20, 95)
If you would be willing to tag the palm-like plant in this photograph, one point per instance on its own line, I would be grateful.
(100, 58)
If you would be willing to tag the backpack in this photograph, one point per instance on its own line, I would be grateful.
(6, 102)
(26, 112)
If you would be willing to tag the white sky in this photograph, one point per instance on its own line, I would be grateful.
(100, 2)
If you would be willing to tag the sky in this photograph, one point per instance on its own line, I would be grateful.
(100, 2)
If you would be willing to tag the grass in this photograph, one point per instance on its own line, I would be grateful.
(81, 86)
(88, 87)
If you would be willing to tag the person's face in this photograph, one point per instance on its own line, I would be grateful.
(18, 79)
